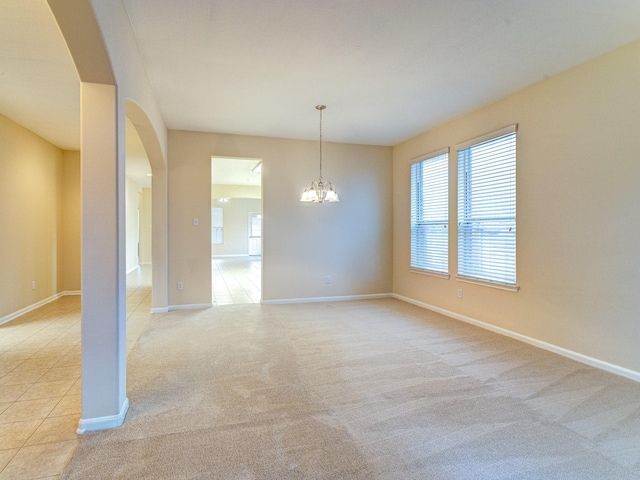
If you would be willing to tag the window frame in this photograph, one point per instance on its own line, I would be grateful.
(417, 203)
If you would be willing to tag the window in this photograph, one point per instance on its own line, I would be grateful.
(430, 213)
(217, 225)
(487, 208)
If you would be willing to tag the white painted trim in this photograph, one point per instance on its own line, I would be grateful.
(103, 423)
(487, 136)
(285, 301)
(29, 308)
(428, 156)
(160, 310)
(579, 357)
(484, 283)
(234, 255)
(133, 269)
(194, 306)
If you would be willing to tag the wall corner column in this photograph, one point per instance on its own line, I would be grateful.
(104, 401)
(159, 244)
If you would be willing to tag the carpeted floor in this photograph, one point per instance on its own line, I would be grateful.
(358, 390)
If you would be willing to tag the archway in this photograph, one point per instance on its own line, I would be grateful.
(159, 255)
(103, 105)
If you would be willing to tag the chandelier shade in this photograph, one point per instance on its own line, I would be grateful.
(320, 191)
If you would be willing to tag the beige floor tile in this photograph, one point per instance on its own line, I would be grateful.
(4, 406)
(6, 456)
(76, 388)
(48, 389)
(66, 341)
(19, 377)
(69, 405)
(61, 373)
(15, 434)
(15, 355)
(71, 359)
(38, 363)
(52, 352)
(55, 429)
(18, 354)
(11, 393)
(9, 364)
(22, 411)
(38, 461)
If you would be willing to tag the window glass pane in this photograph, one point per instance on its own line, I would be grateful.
(487, 210)
(430, 214)
(217, 225)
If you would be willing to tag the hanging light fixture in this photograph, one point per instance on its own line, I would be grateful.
(320, 191)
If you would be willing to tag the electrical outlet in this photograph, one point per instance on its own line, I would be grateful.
(459, 293)
(179, 285)
(327, 279)
(33, 285)
(196, 222)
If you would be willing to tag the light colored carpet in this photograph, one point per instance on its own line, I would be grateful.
(358, 390)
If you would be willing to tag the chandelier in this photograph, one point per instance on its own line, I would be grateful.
(320, 191)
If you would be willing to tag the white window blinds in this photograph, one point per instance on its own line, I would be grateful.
(429, 213)
(487, 209)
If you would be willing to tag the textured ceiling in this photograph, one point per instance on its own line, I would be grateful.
(39, 87)
(386, 70)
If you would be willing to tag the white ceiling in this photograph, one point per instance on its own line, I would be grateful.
(235, 171)
(39, 87)
(387, 70)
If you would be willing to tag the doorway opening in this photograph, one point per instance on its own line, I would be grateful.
(138, 232)
(236, 230)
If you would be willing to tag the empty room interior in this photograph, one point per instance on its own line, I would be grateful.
(291, 239)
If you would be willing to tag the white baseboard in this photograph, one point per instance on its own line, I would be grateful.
(29, 308)
(160, 310)
(285, 301)
(233, 255)
(132, 269)
(103, 423)
(194, 306)
(72, 292)
(579, 357)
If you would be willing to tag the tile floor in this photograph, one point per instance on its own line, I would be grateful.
(40, 392)
(40, 368)
(236, 280)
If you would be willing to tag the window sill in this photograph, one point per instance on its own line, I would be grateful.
(429, 273)
(499, 286)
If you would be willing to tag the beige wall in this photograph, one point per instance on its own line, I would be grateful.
(132, 204)
(302, 243)
(145, 227)
(235, 191)
(236, 225)
(578, 245)
(34, 230)
(71, 242)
